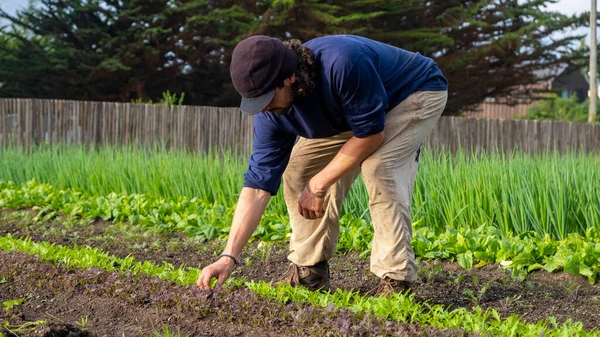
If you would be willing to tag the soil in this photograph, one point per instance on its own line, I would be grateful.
(106, 316)
(92, 302)
(537, 297)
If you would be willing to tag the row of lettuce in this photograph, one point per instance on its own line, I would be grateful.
(399, 307)
(470, 247)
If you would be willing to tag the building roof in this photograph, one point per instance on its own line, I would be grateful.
(551, 72)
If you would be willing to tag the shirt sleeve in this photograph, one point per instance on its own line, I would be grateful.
(272, 148)
(363, 97)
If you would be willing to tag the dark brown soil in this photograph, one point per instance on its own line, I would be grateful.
(51, 330)
(116, 304)
(113, 317)
(539, 296)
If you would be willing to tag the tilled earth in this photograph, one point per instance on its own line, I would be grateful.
(537, 297)
(117, 304)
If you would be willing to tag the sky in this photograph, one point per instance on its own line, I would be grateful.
(564, 6)
(570, 7)
(12, 5)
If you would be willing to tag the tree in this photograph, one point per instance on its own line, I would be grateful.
(300, 19)
(499, 46)
(98, 50)
(209, 32)
(485, 48)
(18, 54)
(119, 50)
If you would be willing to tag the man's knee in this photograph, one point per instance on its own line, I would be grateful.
(376, 170)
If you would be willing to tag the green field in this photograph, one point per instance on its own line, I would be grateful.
(521, 212)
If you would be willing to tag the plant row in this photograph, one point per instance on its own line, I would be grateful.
(519, 194)
(27, 274)
(470, 247)
(397, 308)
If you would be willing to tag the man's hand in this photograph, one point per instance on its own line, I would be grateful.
(310, 206)
(354, 152)
(221, 270)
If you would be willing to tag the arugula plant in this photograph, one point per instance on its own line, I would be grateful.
(398, 307)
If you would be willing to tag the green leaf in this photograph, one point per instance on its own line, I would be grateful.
(533, 267)
(481, 264)
(465, 260)
(573, 265)
(586, 271)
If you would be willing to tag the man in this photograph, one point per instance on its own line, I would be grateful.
(357, 105)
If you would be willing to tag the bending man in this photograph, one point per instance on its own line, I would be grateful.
(358, 106)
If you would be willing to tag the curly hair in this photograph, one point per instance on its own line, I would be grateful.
(305, 73)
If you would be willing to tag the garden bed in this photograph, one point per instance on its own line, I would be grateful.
(540, 295)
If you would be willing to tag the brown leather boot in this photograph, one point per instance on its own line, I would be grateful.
(314, 277)
(388, 286)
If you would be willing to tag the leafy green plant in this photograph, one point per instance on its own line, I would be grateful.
(512, 301)
(83, 322)
(139, 100)
(11, 304)
(21, 329)
(399, 307)
(475, 298)
(470, 247)
(164, 333)
(172, 99)
(168, 98)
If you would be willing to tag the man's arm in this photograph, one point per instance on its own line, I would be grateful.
(248, 212)
(354, 152)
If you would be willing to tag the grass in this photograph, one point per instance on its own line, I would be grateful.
(520, 194)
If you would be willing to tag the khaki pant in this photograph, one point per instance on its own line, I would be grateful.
(389, 175)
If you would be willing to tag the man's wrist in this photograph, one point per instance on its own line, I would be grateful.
(229, 258)
(316, 187)
(317, 195)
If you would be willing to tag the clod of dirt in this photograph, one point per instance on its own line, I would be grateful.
(62, 330)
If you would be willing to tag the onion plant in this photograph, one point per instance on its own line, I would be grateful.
(546, 193)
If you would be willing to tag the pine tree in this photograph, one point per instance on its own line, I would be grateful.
(98, 50)
(299, 19)
(485, 48)
(120, 50)
(209, 32)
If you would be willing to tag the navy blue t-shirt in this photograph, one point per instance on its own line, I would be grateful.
(359, 81)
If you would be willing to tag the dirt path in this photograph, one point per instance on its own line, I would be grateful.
(539, 296)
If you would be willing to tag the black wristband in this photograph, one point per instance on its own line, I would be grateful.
(318, 195)
(231, 257)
